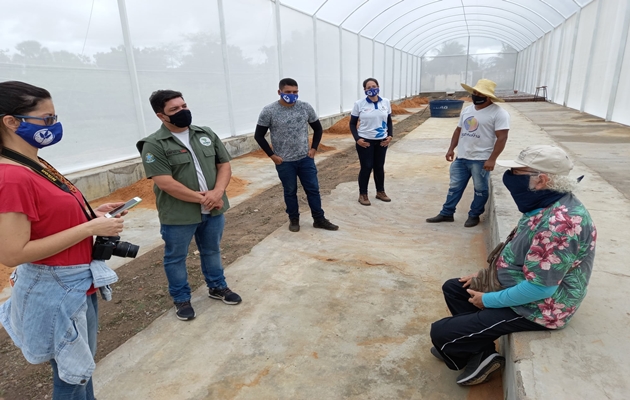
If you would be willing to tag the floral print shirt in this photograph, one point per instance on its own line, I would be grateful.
(553, 246)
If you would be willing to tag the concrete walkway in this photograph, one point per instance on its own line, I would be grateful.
(329, 315)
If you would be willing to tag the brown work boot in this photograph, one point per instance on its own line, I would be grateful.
(383, 197)
(363, 199)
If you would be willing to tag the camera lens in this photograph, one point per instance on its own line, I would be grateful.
(126, 249)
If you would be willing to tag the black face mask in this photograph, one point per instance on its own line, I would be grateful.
(478, 100)
(526, 199)
(181, 119)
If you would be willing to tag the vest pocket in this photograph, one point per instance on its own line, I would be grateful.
(209, 152)
(177, 159)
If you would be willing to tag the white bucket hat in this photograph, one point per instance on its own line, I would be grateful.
(543, 158)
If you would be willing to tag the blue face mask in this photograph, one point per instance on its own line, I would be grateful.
(289, 98)
(526, 199)
(372, 92)
(40, 136)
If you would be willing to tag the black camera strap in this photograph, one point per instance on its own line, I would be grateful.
(44, 172)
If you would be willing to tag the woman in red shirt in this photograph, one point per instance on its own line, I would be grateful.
(40, 223)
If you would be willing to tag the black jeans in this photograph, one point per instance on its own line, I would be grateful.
(470, 330)
(372, 158)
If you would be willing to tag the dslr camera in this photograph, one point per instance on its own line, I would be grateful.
(107, 246)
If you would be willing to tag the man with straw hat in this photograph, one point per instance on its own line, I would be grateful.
(480, 137)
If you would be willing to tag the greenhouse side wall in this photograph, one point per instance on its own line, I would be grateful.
(102, 64)
(584, 62)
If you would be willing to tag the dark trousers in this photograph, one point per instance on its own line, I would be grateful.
(470, 330)
(305, 169)
(372, 159)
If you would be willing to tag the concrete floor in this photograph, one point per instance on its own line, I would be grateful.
(346, 314)
(330, 315)
(142, 226)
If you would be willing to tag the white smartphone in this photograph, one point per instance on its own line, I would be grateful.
(131, 203)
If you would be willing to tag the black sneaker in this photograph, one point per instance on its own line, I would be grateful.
(440, 218)
(225, 294)
(479, 369)
(323, 223)
(185, 312)
(471, 221)
(436, 354)
(294, 224)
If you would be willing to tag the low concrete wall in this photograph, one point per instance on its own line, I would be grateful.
(102, 181)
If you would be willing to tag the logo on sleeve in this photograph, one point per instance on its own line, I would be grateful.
(149, 158)
(204, 140)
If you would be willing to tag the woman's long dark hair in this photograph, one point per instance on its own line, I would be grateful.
(19, 98)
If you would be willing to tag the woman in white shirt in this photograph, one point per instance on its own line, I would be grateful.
(372, 136)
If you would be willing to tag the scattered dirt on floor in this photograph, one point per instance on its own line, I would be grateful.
(141, 294)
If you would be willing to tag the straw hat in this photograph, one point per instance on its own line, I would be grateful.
(485, 87)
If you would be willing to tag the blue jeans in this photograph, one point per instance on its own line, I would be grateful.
(461, 171)
(177, 238)
(63, 390)
(372, 159)
(305, 169)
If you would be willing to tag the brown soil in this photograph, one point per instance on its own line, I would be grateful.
(141, 294)
(398, 110)
(465, 98)
(5, 272)
(341, 127)
(414, 102)
(144, 189)
(261, 154)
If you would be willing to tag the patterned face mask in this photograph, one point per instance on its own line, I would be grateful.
(372, 92)
(289, 98)
(40, 136)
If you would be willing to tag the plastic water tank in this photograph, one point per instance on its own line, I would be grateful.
(446, 108)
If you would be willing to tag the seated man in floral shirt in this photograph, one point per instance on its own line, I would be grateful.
(542, 272)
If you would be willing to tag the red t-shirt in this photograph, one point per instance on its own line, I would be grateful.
(49, 209)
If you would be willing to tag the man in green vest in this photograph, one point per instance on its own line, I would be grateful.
(190, 169)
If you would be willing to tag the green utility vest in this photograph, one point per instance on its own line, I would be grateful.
(164, 154)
